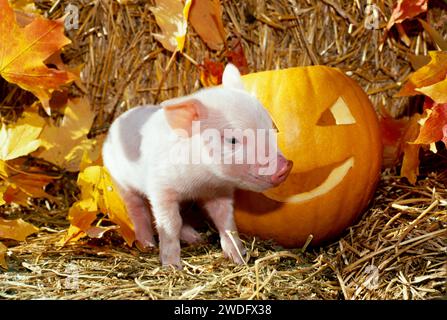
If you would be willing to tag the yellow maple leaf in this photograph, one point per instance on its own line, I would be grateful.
(73, 234)
(426, 76)
(437, 92)
(65, 144)
(172, 18)
(16, 229)
(98, 195)
(20, 138)
(24, 50)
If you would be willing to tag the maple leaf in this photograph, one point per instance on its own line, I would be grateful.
(98, 195)
(211, 71)
(206, 18)
(19, 182)
(16, 229)
(13, 229)
(73, 235)
(172, 18)
(22, 186)
(410, 150)
(434, 127)
(436, 91)
(237, 57)
(65, 144)
(423, 130)
(406, 9)
(18, 140)
(21, 138)
(430, 80)
(428, 75)
(24, 50)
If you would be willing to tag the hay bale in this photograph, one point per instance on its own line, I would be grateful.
(124, 64)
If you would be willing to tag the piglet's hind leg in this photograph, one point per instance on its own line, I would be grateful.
(189, 235)
(141, 218)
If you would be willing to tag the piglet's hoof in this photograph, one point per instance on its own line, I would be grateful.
(169, 266)
(190, 236)
(145, 246)
(237, 255)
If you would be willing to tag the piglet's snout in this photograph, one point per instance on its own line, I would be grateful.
(282, 170)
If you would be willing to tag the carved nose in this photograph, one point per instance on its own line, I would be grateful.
(284, 167)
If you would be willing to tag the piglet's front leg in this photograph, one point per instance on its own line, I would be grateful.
(220, 211)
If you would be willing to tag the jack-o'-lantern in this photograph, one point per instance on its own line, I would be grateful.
(329, 129)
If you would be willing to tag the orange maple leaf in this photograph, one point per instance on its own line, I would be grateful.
(24, 50)
(435, 126)
(410, 161)
(430, 80)
(16, 229)
(206, 19)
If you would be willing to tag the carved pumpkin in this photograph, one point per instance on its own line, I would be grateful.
(328, 127)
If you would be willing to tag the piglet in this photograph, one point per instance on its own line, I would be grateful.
(198, 147)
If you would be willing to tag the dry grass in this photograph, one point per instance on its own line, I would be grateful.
(403, 236)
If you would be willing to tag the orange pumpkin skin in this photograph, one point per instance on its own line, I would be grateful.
(299, 99)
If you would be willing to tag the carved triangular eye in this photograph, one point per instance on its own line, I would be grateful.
(337, 114)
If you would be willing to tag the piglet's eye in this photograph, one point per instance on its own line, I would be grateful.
(232, 140)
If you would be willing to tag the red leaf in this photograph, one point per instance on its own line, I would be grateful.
(406, 9)
(211, 73)
(428, 103)
(392, 129)
(237, 57)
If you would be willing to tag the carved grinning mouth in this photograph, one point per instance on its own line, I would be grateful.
(303, 186)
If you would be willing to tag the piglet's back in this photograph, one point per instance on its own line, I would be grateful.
(122, 148)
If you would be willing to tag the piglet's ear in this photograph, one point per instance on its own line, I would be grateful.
(180, 115)
(231, 77)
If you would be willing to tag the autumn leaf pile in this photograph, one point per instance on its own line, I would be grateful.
(60, 134)
(25, 53)
(407, 136)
